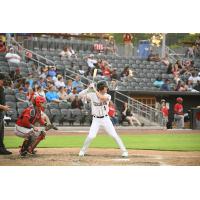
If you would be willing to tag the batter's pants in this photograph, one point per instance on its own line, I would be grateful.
(108, 126)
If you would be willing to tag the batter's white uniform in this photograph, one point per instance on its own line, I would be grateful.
(100, 118)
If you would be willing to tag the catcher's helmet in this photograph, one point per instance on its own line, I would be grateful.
(40, 102)
(179, 100)
(101, 85)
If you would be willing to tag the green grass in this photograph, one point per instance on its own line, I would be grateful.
(179, 142)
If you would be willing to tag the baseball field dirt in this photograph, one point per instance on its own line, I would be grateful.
(101, 156)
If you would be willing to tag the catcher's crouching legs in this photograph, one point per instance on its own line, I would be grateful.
(27, 142)
(37, 140)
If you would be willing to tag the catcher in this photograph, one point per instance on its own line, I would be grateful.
(25, 126)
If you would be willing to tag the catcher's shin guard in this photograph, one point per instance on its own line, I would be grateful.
(36, 142)
(27, 142)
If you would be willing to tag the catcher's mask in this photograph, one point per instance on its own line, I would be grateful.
(40, 102)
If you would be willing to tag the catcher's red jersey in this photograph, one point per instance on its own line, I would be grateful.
(29, 116)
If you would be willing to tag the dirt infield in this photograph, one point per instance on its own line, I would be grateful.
(101, 157)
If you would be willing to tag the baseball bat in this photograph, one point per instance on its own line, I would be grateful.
(94, 74)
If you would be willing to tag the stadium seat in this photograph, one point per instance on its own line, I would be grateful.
(12, 114)
(56, 115)
(21, 96)
(22, 105)
(53, 105)
(64, 105)
(10, 98)
(66, 116)
(12, 105)
(9, 91)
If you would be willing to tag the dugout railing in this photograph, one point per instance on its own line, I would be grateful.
(147, 114)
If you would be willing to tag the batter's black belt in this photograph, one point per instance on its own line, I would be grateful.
(99, 116)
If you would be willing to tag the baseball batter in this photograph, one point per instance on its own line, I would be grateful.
(99, 102)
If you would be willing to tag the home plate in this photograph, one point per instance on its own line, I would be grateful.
(121, 160)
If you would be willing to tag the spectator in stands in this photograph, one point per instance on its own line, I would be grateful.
(13, 57)
(165, 85)
(193, 78)
(30, 79)
(80, 70)
(128, 45)
(17, 74)
(52, 71)
(41, 82)
(92, 63)
(26, 86)
(111, 47)
(69, 86)
(63, 94)
(169, 68)
(114, 74)
(49, 81)
(2, 47)
(165, 113)
(73, 53)
(129, 116)
(107, 72)
(158, 82)
(126, 72)
(77, 103)
(44, 72)
(60, 82)
(77, 84)
(165, 61)
(21, 96)
(73, 93)
(39, 92)
(197, 86)
(112, 113)
(153, 57)
(52, 95)
(190, 52)
(30, 95)
(113, 85)
(65, 53)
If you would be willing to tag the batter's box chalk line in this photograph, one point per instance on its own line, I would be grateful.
(121, 159)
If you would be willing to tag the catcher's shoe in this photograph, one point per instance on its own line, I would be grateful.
(125, 154)
(81, 153)
(31, 152)
(23, 153)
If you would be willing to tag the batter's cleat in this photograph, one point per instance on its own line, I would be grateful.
(81, 153)
(125, 154)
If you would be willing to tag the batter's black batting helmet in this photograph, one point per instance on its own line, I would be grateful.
(101, 85)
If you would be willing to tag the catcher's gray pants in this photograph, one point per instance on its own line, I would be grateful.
(108, 126)
(179, 119)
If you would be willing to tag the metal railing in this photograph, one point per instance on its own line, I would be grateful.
(22, 51)
(147, 113)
